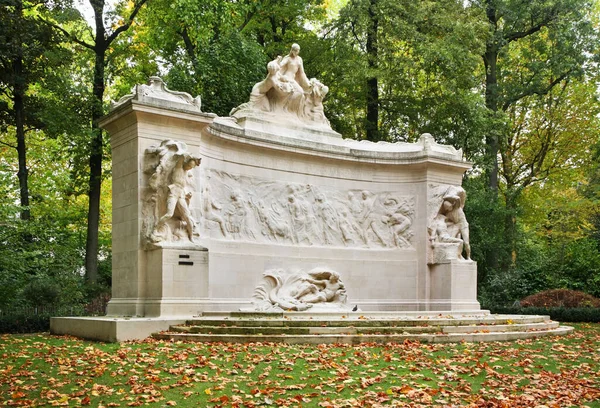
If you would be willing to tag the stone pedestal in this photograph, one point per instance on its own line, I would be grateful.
(175, 280)
(280, 198)
(272, 197)
(453, 286)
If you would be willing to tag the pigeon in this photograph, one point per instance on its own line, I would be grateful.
(355, 308)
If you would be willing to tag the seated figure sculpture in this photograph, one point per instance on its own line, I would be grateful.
(449, 230)
(287, 93)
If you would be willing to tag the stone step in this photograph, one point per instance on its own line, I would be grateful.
(361, 321)
(348, 314)
(502, 327)
(268, 330)
(475, 336)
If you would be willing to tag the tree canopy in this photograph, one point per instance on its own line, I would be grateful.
(512, 83)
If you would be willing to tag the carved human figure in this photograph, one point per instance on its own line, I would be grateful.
(179, 192)
(272, 221)
(373, 223)
(238, 216)
(210, 208)
(323, 288)
(347, 227)
(358, 212)
(398, 222)
(288, 93)
(300, 220)
(292, 70)
(259, 99)
(328, 219)
(450, 224)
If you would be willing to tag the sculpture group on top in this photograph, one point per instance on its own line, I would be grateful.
(249, 209)
(287, 93)
(167, 213)
(449, 229)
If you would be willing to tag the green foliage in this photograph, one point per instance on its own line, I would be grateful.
(561, 314)
(25, 323)
(578, 267)
(426, 55)
(241, 64)
(486, 224)
(561, 298)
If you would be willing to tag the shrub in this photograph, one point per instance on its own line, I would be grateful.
(41, 291)
(561, 298)
(561, 314)
(25, 323)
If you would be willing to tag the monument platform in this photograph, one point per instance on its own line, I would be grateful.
(358, 327)
(269, 211)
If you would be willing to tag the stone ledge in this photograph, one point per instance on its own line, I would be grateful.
(366, 338)
(111, 329)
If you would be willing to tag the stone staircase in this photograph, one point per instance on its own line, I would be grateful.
(361, 327)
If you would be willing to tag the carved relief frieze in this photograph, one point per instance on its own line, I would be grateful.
(250, 209)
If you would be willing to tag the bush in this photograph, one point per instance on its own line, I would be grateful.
(41, 291)
(25, 323)
(561, 298)
(561, 314)
(33, 319)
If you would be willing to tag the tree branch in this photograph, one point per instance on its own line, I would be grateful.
(7, 144)
(69, 35)
(125, 27)
(513, 36)
(190, 48)
(534, 91)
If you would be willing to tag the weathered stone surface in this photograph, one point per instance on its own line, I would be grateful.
(278, 194)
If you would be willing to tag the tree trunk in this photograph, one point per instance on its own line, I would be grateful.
(490, 59)
(372, 120)
(510, 227)
(96, 148)
(19, 110)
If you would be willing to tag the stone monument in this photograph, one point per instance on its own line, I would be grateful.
(271, 209)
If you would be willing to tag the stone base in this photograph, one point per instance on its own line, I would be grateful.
(111, 329)
(175, 279)
(266, 124)
(453, 286)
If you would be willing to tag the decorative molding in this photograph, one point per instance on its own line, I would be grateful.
(157, 93)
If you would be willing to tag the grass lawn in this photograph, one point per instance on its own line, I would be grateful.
(44, 370)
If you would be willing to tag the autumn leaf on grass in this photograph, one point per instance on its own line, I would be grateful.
(18, 394)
